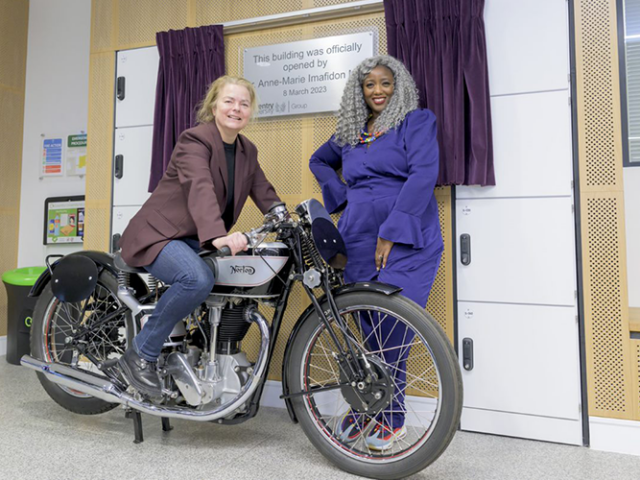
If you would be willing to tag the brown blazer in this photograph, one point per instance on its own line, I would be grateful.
(188, 199)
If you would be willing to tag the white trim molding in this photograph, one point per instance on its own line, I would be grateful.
(617, 436)
(3, 345)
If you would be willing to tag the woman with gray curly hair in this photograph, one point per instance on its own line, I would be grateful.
(386, 147)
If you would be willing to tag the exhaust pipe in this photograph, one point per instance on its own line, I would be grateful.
(100, 387)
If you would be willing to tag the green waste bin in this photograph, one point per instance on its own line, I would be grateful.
(20, 309)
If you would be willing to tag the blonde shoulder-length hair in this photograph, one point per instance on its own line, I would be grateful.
(205, 109)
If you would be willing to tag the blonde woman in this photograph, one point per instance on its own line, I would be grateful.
(212, 171)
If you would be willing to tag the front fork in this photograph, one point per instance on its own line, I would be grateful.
(346, 359)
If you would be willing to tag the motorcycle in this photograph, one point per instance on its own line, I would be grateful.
(336, 361)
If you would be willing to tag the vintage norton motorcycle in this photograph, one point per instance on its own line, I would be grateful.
(336, 363)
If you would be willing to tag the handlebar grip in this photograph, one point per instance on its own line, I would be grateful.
(276, 204)
(224, 252)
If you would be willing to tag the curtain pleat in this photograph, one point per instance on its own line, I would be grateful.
(190, 60)
(442, 43)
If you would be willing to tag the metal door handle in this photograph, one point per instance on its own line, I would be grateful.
(465, 249)
(120, 88)
(467, 353)
(119, 168)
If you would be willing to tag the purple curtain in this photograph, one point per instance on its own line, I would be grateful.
(442, 43)
(190, 60)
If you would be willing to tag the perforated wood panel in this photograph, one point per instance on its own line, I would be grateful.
(139, 20)
(102, 25)
(636, 372)
(440, 303)
(14, 17)
(609, 360)
(601, 117)
(326, 3)
(609, 334)
(208, 12)
(11, 122)
(99, 151)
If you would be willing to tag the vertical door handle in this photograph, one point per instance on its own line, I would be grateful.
(114, 242)
(465, 249)
(120, 88)
(467, 353)
(119, 168)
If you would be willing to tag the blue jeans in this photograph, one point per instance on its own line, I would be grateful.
(191, 280)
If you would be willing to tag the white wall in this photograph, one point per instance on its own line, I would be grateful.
(56, 103)
(632, 223)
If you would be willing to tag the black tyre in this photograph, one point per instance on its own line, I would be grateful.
(53, 323)
(425, 392)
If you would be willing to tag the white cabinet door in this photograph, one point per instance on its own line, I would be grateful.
(132, 162)
(531, 147)
(527, 45)
(522, 251)
(525, 371)
(122, 216)
(532, 369)
(138, 70)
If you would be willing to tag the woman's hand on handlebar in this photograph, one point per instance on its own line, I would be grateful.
(237, 242)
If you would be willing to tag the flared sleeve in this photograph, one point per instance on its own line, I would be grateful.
(324, 164)
(404, 225)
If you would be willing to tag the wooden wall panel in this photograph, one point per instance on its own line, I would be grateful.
(608, 346)
(14, 22)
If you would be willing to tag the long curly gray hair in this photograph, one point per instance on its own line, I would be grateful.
(354, 111)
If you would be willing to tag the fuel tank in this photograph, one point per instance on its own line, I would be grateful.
(258, 272)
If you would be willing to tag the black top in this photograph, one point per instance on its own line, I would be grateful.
(230, 154)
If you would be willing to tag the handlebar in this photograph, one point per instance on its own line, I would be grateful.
(277, 214)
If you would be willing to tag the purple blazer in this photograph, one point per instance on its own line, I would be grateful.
(388, 192)
(189, 199)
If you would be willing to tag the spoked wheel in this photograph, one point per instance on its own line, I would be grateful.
(402, 415)
(55, 323)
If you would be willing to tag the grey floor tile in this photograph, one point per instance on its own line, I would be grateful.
(39, 439)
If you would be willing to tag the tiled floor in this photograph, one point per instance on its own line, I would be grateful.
(38, 439)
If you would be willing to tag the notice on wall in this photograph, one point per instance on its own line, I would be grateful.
(307, 76)
(76, 154)
(51, 156)
(64, 221)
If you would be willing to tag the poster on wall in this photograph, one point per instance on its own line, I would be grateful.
(306, 76)
(52, 157)
(64, 220)
(76, 154)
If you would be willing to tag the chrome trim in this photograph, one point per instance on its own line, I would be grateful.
(132, 302)
(102, 388)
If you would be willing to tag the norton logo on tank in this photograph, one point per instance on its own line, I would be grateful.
(243, 269)
(307, 76)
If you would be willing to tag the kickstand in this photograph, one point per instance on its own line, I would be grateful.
(137, 424)
(166, 425)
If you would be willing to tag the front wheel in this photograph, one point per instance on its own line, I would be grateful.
(403, 415)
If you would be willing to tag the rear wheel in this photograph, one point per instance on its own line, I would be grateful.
(413, 393)
(54, 323)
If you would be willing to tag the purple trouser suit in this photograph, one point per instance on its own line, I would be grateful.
(388, 194)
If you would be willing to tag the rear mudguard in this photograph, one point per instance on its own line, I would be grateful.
(377, 287)
(102, 260)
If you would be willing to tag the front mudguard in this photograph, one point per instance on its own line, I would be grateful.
(377, 287)
(102, 260)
